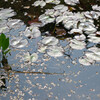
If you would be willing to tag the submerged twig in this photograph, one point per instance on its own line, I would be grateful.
(29, 72)
(14, 71)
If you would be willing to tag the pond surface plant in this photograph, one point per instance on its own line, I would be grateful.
(4, 44)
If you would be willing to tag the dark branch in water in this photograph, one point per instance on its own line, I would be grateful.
(14, 71)
(27, 72)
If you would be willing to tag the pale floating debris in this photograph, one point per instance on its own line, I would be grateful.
(6, 13)
(55, 51)
(61, 8)
(98, 33)
(96, 7)
(14, 23)
(94, 49)
(3, 22)
(60, 19)
(53, 1)
(18, 42)
(50, 12)
(42, 48)
(76, 44)
(76, 31)
(45, 19)
(87, 26)
(30, 57)
(86, 61)
(4, 28)
(69, 24)
(93, 38)
(43, 3)
(93, 56)
(32, 32)
(71, 2)
(90, 30)
(92, 14)
(39, 3)
(80, 37)
(50, 40)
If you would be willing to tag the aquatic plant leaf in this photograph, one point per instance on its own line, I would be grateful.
(50, 40)
(2, 37)
(30, 57)
(93, 56)
(86, 61)
(18, 42)
(33, 57)
(5, 44)
(55, 51)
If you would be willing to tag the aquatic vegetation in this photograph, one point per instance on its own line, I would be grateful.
(86, 61)
(42, 3)
(71, 2)
(77, 44)
(80, 37)
(95, 50)
(76, 31)
(93, 56)
(4, 44)
(50, 46)
(96, 7)
(32, 32)
(27, 57)
(93, 38)
(55, 51)
(42, 48)
(14, 23)
(80, 25)
(50, 40)
(4, 28)
(18, 42)
(92, 14)
(45, 19)
(6, 13)
(93, 53)
(39, 3)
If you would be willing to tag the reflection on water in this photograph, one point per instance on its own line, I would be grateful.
(52, 56)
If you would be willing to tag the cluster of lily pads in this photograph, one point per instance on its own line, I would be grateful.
(92, 55)
(80, 24)
(6, 23)
(50, 46)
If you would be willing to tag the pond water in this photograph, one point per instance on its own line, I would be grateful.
(55, 50)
